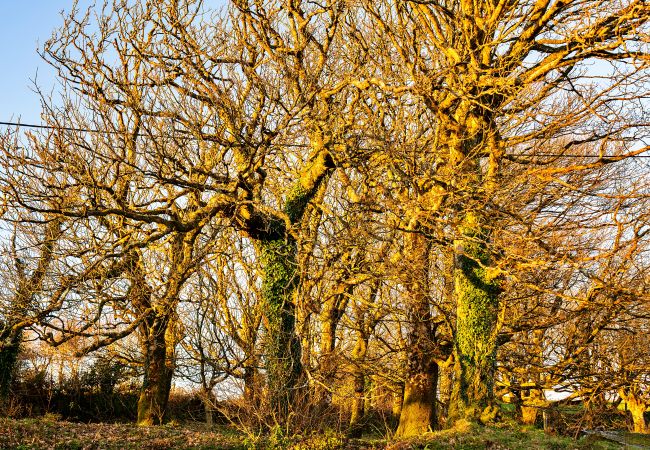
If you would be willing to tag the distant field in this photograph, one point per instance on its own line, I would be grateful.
(51, 434)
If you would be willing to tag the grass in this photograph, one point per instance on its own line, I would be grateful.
(49, 433)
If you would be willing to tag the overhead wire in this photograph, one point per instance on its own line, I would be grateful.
(90, 130)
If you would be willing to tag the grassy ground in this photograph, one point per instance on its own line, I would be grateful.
(473, 437)
(52, 434)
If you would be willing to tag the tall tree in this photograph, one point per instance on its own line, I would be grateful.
(504, 79)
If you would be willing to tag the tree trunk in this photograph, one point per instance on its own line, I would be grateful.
(638, 418)
(158, 372)
(208, 414)
(208, 405)
(282, 346)
(8, 358)
(278, 254)
(359, 382)
(637, 407)
(445, 381)
(476, 292)
(398, 401)
(250, 382)
(418, 413)
(11, 332)
(329, 318)
(528, 415)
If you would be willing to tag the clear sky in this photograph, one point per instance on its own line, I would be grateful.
(25, 25)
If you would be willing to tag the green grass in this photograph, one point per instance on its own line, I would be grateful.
(473, 437)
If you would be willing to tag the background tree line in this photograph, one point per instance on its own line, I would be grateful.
(338, 207)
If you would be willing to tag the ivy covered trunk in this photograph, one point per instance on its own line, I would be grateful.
(282, 346)
(476, 292)
(418, 414)
(278, 256)
(158, 372)
(8, 358)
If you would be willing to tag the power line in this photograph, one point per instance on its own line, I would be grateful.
(51, 127)
(522, 155)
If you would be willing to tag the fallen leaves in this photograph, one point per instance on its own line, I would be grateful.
(47, 434)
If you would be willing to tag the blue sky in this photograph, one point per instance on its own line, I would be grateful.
(24, 26)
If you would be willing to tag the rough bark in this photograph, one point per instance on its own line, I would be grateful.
(398, 401)
(329, 363)
(418, 414)
(208, 405)
(158, 364)
(638, 418)
(158, 372)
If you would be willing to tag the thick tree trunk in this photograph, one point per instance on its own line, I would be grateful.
(445, 382)
(637, 407)
(331, 313)
(158, 372)
(476, 292)
(282, 346)
(278, 254)
(638, 419)
(418, 413)
(251, 382)
(209, 421)
(8, 358)
(528, 414)
(329, 322)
